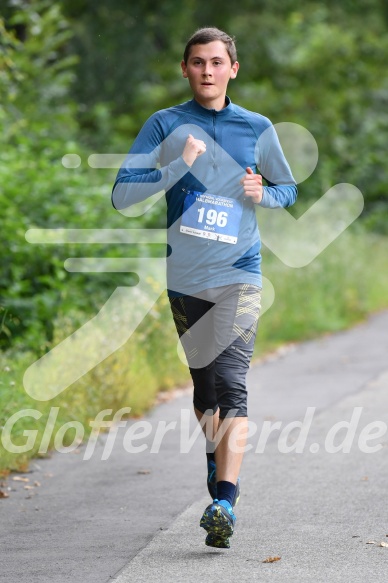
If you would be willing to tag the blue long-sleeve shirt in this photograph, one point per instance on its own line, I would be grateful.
(235, 139)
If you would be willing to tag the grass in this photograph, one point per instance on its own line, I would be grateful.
(338, 289)
(348, 281)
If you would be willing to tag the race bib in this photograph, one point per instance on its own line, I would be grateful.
(211, 216)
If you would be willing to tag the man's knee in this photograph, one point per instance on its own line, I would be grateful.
(205, 397)
(230, 383)
(232, 396)
(233, 404)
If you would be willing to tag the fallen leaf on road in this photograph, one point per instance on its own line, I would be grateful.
(271, 559)
(36, 483)
(364, 479)
(373, 542)
(20, 479)
(143, 471)
(3, 494)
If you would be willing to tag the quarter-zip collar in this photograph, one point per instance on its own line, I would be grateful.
(205, 112)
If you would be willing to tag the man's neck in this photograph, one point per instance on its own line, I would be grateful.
(217, 104)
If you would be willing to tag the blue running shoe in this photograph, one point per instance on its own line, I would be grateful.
(216, 541)
(212, 483)
(218, 520)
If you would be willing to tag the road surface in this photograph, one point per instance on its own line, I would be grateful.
(134, 516)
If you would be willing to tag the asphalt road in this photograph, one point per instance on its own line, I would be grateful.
(134, 516)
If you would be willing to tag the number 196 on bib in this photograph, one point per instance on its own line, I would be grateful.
(212, 217)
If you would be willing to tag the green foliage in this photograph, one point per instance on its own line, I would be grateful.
(339, 288)
(320, 64)
(109, 67)
(75, 76)
(37, 127)
(131, 377)
(326, 70)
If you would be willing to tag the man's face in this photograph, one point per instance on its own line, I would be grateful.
(208, 70)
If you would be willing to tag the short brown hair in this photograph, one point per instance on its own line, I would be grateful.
(203, 36)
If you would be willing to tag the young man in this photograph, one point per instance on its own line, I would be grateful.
(212, 155)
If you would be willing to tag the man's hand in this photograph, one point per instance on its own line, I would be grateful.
(252, 184)
(192, 150)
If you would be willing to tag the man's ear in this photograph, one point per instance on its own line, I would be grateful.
(235, 68)
(184, 69)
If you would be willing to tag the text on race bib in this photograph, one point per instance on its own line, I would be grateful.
(211, 216)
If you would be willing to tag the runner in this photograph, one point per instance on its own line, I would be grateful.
(210, 156)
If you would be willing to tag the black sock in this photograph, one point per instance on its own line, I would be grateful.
(226, 491)
(210, 446)
(210, 457)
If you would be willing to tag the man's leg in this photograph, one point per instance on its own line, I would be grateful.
(236, 320)
(221, 383)
(187, 311)
(210, 427)
(231, 433)
(235, 343)
(230, 449)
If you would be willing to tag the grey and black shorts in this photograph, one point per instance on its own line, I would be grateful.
(217, 328)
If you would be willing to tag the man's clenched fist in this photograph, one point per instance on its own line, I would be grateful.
(253, 186)
(193, 148)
